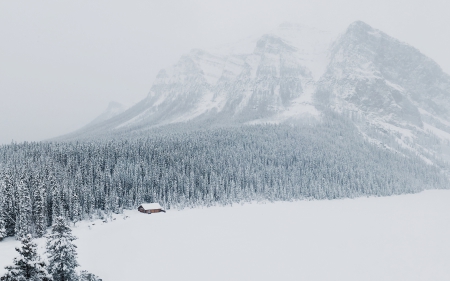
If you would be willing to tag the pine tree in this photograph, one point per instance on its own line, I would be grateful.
(8, 202)
(54, 189)
(3, 233)
(61, 252)
(39, 211)
(28, 266)
(76, 208)
(24, 220)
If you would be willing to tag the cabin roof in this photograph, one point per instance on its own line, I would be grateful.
(151, 206)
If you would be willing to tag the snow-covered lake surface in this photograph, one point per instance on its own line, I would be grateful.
(403, 237)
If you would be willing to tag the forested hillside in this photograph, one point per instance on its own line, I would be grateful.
(223, 166)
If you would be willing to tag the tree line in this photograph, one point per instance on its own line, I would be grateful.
(40, 181)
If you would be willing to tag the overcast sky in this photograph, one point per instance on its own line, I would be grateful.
(62, 62)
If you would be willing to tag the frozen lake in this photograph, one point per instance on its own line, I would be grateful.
(403, 237)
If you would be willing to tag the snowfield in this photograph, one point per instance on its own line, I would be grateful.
(404, 237)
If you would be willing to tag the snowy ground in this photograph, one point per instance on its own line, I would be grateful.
(392, 238)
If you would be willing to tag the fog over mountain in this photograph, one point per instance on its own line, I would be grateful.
(294, 74)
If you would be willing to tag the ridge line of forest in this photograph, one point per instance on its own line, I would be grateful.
(93, 179)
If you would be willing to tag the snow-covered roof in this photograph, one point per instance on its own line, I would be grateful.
(151, 206)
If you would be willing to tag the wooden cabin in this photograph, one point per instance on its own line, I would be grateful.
(150, 208)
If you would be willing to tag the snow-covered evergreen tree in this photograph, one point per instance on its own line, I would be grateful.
(28, 266)
(39, 211)
(61, 252)
(24, 220)
(55, 191)
(8, 202)
(76, 208)
(3, 233)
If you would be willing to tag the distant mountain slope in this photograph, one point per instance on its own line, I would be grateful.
(113, 109)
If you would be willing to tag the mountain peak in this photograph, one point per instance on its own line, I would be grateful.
(360, 29)
(359, 25)
(114, 108)
(272, 44)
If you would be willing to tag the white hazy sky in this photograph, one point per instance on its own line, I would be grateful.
(62, 62)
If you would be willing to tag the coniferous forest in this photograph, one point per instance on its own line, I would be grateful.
(223, 166)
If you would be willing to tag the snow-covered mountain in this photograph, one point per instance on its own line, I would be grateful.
(295, 73)
(391, 86)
